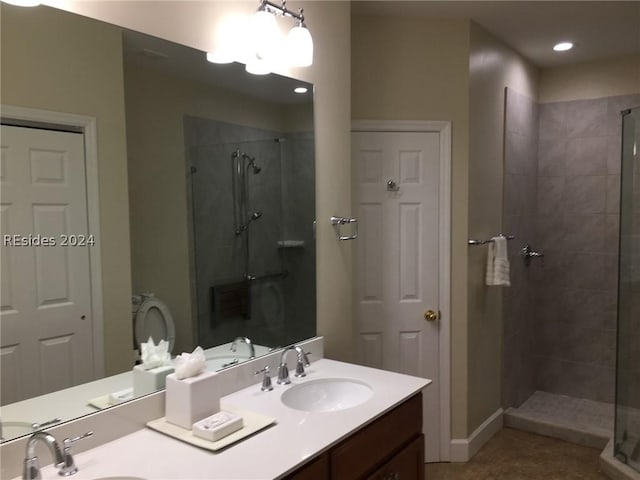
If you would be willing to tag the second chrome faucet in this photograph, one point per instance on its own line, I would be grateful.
(252, 350)
(283, 369)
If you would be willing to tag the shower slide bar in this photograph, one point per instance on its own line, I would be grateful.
(490, 240)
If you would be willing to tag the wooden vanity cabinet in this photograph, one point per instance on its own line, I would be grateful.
(408, 463)
(390, 448)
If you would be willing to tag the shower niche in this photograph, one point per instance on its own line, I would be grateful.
(252, 209)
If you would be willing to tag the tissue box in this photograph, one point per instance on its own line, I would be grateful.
(191, 399)
(217, 426)
(149, 381)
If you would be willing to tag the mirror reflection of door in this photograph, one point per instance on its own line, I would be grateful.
(46, 321)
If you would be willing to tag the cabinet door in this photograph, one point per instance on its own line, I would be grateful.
(363, 451)
(407, 464)
(318, 469)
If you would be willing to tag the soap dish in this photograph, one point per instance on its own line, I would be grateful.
(253, 422)
(217, 426)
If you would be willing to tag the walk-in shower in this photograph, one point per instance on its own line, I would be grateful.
(252, 208)
(627, 406)
(562, 192)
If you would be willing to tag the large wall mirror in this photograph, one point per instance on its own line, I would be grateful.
(203, 194)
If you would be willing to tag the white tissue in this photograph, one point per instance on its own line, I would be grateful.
(190, 364)
(153, 355)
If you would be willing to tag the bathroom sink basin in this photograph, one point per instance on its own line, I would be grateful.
(327, 395)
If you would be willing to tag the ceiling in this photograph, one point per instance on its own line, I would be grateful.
(599, 29)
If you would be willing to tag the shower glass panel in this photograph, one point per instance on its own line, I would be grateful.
(252, 212)
(627, 417)
(237, 222)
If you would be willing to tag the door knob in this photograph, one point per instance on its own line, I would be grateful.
(431, 316)
(392, 186)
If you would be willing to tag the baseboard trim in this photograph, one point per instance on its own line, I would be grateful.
(463, 449)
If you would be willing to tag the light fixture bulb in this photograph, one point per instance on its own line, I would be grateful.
(300, 46)
(258, 66)
(266, 35)
(23, 3)
(563, 46)
(230, 40)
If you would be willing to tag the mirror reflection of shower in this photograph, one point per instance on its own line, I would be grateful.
(242, 216)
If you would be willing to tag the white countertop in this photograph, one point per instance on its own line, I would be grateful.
(272, 453)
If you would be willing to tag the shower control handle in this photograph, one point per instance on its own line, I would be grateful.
(529, 254)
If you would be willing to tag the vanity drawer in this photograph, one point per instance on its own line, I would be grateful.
(374, 444)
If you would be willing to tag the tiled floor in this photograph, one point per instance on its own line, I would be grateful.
(516, 455)
(578, 412)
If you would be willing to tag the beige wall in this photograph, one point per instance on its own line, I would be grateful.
(158, 184)
(42, 72)
(602, 78)
(192, 24)
(418, 69)
(492, 67)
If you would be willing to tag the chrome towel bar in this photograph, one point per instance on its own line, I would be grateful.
(484, 242)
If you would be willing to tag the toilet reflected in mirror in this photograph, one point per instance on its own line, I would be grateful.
(152, 319)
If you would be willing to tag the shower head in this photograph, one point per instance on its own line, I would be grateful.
(252, 163)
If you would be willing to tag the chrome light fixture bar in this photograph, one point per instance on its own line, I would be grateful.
(266, 47)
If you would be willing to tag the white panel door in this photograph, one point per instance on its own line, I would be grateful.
(45, 313)
(397, 260)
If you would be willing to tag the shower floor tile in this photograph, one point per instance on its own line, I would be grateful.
(577, 420)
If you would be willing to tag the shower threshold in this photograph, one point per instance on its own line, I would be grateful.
(576, 420)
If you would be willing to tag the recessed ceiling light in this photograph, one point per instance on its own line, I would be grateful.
(301, 90)
(563, 46)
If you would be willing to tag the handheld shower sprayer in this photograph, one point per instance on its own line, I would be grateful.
(254, 216)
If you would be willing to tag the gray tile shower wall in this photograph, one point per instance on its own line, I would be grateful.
(299, 214)
(520, 193)
(219, 254)
(577, 228)
(560, 317)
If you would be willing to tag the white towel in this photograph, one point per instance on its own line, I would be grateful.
(498, 263)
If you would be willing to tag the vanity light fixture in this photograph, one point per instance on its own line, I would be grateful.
(267, 46)
(563, 46)
(298, 44)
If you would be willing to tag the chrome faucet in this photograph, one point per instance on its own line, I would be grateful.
(303, 361)
(63, 459)
(283, 369)
(31, 469)
(252, 350)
